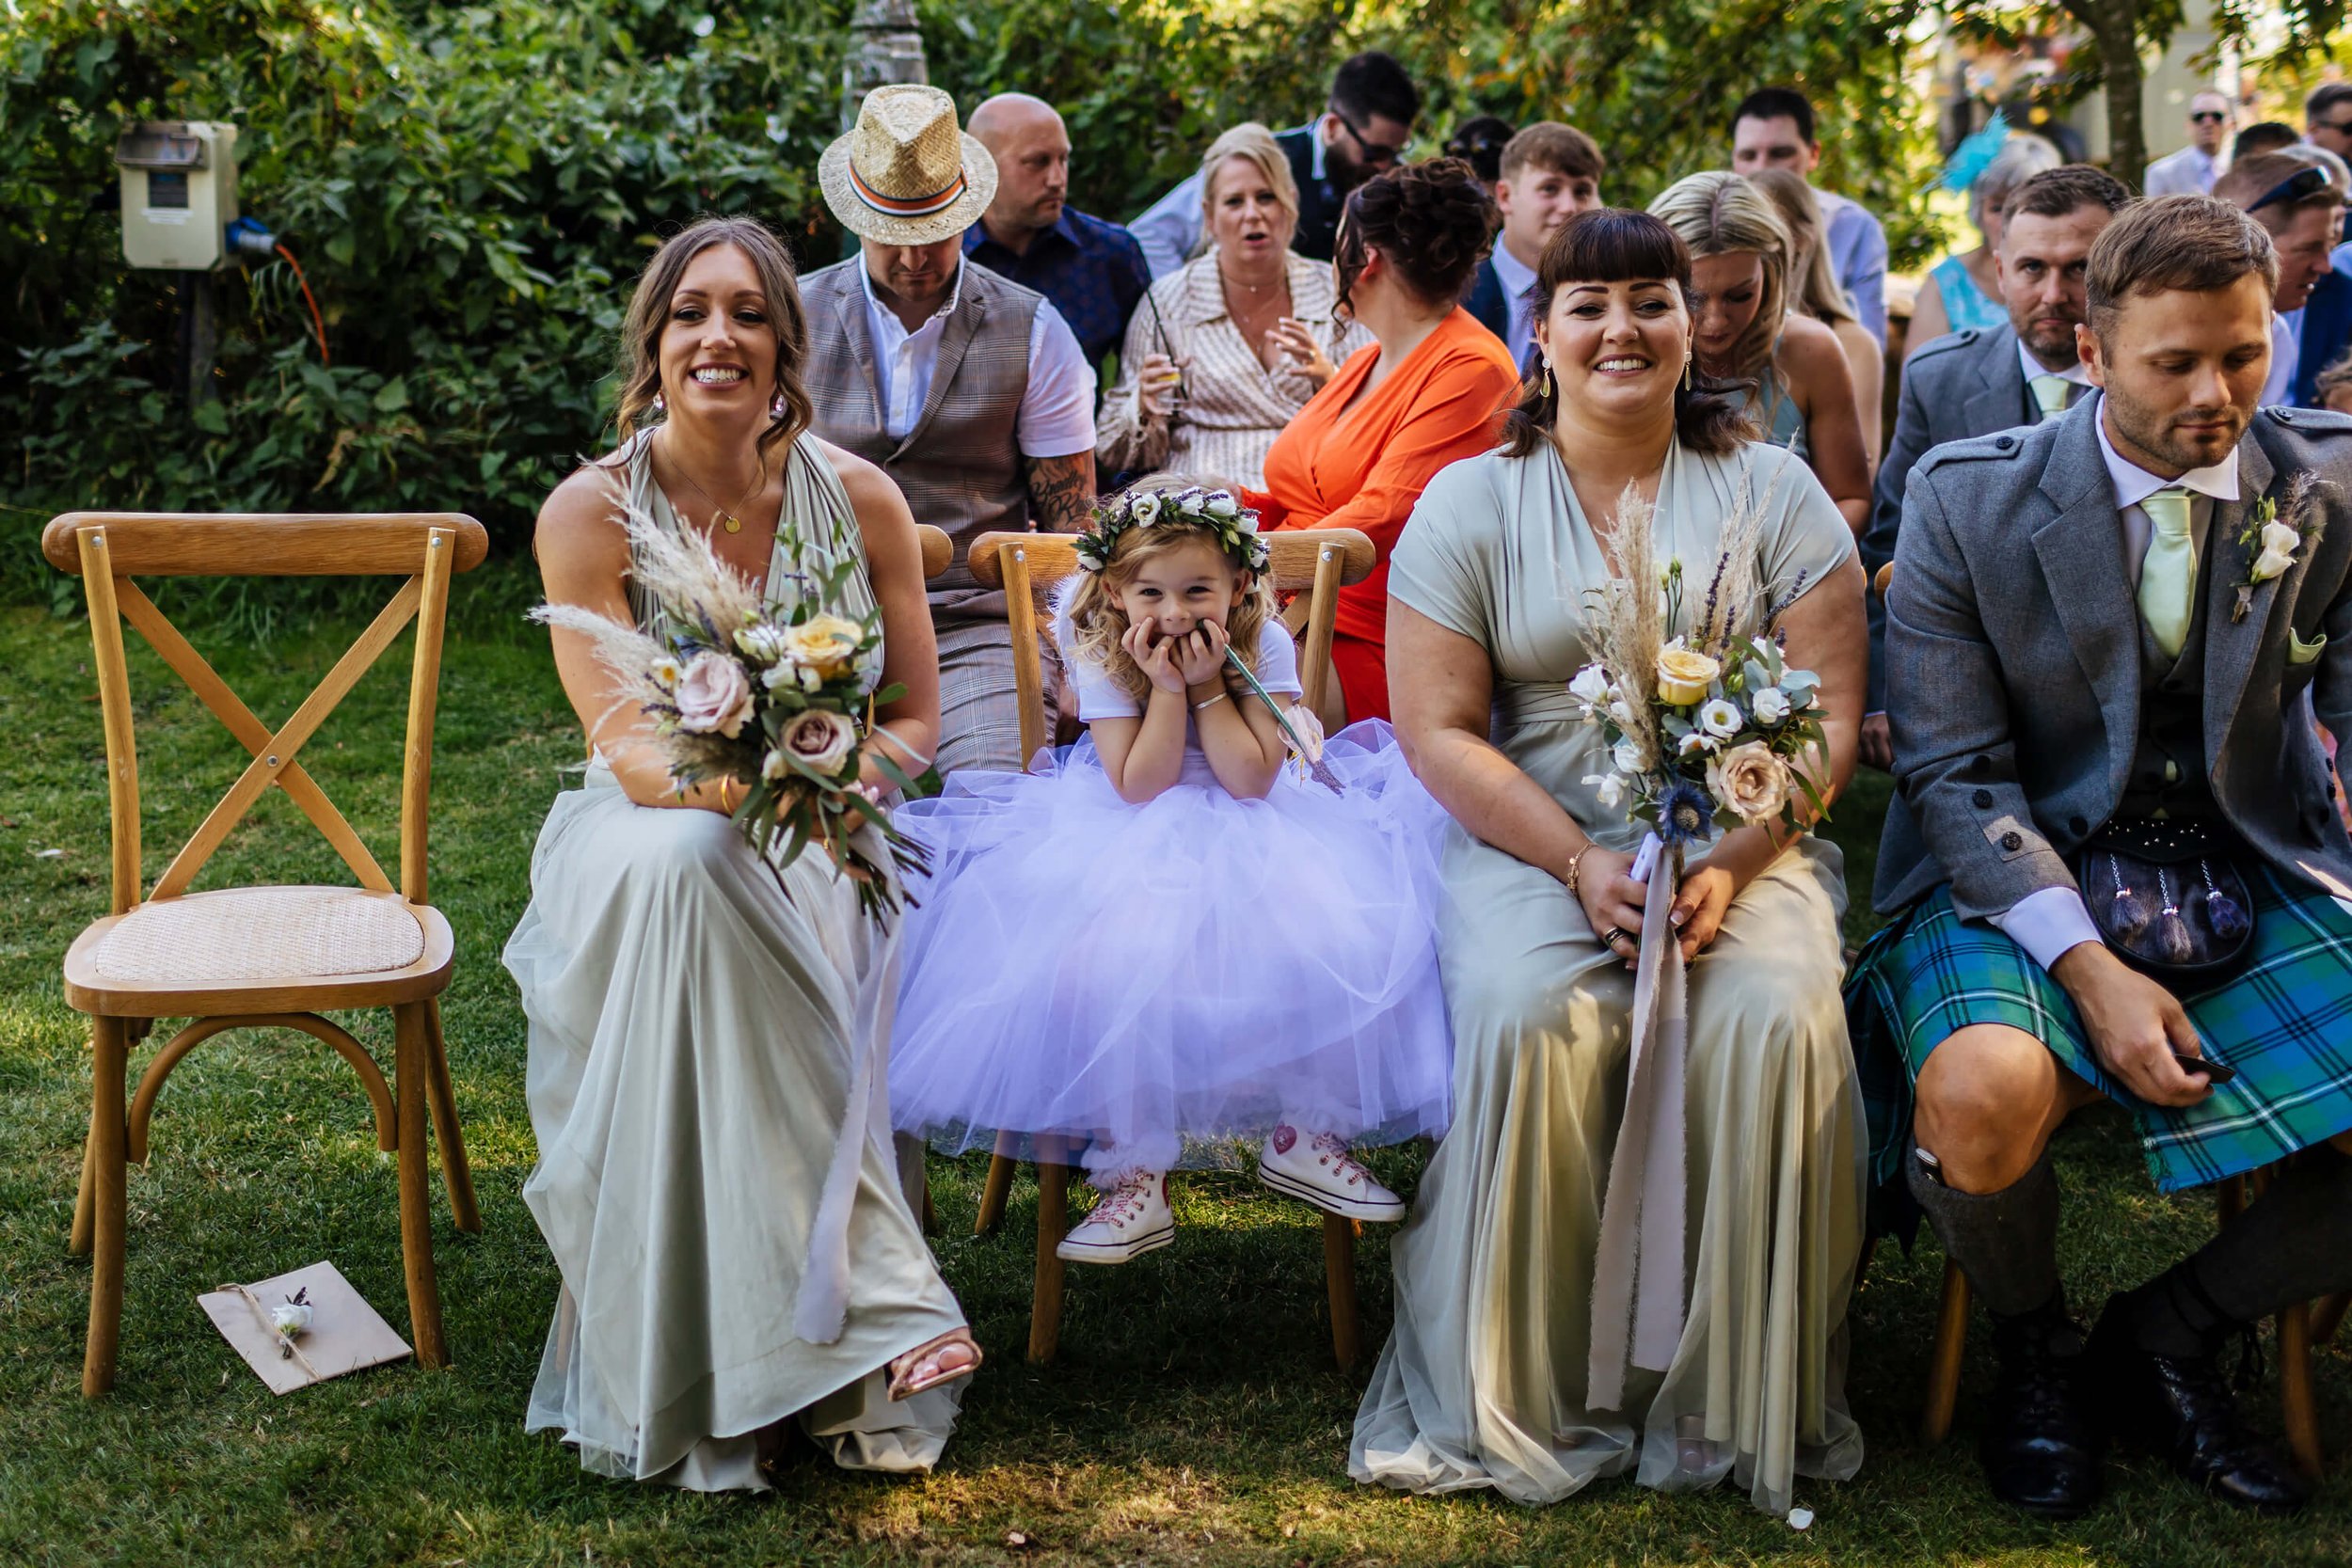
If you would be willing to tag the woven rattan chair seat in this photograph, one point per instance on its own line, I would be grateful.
(260, 933)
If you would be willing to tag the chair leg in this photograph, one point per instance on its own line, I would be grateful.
(1339, 1280)
(79, 1242)
(1951, 1343)
(930, 1215)
(455, 1173)
(2327, 1316)
(2298, 1411)
(1052, 1222)
(998, 1186)
(108, 1135)
(410, 1070)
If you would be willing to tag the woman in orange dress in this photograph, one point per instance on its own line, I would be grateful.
(1430, 390)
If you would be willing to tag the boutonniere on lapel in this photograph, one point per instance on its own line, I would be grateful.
(2270, 545)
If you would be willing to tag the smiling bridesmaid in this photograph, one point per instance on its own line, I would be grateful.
(698, 1018)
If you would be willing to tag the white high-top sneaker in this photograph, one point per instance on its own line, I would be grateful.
(1131, 1219)
(1317, 1168)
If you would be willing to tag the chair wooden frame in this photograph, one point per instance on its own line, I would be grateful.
(1315, 561)
(104, 550)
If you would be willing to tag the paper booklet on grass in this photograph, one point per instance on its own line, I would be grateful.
(343, 1335)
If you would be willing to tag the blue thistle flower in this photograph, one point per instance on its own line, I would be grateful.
(1684, 815)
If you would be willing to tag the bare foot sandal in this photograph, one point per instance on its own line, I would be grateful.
(929, 1365)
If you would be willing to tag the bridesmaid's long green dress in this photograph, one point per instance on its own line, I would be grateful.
(1483, 1380)
(696, 1024)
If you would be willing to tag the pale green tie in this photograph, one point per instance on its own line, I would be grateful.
(2050, 392)
(2168, 575)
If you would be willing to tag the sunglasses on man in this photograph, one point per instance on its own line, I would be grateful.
(1379, 155)
(2209, 117)
(2303, 182)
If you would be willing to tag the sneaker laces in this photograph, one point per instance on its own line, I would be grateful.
(1128, 1195)
(1332, 1148)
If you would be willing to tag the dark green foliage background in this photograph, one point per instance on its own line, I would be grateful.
(470, 189)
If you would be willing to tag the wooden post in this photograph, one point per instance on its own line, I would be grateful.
(885, 48)
(1052, 1221)
(1339, 1282)
(1951, 1344)
(411, 1054)
(109, 1127)
(998, 1186)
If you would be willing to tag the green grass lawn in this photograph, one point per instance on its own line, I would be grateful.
(1194, 1415)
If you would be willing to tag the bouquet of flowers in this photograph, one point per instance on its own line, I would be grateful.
(775, 692)
(1710, 727)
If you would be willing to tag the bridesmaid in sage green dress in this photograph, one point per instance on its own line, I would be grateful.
(703, 1026)
(1484, 1381)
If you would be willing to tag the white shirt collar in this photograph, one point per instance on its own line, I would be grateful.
(883, 312)
(1315, 141)
(2074, 373)
(1515, 280)
(2134, 483)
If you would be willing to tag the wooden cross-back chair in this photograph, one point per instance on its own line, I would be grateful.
(1316, 562)
(264, 956)
(2300, 1326)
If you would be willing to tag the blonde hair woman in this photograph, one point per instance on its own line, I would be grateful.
(1227, 348)
(1814, 291)
(1800, 389)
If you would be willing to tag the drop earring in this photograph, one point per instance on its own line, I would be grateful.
(1546, 387)
(1688, 356)
(775, 409)
(660, 406)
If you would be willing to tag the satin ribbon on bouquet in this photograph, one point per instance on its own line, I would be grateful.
(1637, 1274)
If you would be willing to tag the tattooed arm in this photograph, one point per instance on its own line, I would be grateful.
(1061, 492)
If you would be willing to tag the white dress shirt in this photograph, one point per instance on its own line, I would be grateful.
(2188, 172)
(2050, 923)
(1515, 281)
(2286, 356)
(2077, 372)
(1057, 414)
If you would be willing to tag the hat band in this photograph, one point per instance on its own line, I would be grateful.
(902, 207)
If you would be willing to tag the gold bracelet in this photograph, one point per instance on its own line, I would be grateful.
(1576, 867)
(725, 805)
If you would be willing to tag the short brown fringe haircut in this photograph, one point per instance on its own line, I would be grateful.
(649, 312)
(2187, 244)
(1097, 622)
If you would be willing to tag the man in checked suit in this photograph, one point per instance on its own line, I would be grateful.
(1976, 383)
(2090, 625)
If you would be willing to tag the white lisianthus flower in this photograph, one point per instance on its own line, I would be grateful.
(763, 642)
(1590, 685)
(1771, 706)
(1608, 789)
(290, 1317)
(1222, 505)
(2270, 563)
(2280, 537)
(1697, 741)
(1621, 710)
(1143, 508)
(810, 679)
(1720, 717)
(1627, 756)
(772, 767)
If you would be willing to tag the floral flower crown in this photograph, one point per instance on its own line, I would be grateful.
(1219, 511)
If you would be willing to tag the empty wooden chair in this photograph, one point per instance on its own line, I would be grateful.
(1314, 562)
(264, 956)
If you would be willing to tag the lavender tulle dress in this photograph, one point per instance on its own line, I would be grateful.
(1148, 981)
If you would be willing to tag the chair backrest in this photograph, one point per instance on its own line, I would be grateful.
(1316, 561)
(105, 548)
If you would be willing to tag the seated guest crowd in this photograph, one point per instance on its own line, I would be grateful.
(2111, 631)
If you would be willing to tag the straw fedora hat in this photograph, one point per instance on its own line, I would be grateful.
(906, 174)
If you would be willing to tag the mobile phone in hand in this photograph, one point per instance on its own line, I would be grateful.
(2220, 1072)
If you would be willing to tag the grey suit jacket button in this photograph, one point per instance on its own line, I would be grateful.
(1980, 765)
(1982, 797)
(2012, 841)
(2077, 826)
(2002, 443)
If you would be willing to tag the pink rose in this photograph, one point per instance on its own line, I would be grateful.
(714, 696)
(1750, 781)
(820, 739)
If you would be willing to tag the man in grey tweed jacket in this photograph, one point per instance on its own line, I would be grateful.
(2089, 623)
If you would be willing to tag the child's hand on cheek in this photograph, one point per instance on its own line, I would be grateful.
(1154, 655)
(1201, 657)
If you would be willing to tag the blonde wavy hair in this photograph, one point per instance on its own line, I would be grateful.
(1816, 290)
(1254, 145)
(1723, 213)
(1095, 622)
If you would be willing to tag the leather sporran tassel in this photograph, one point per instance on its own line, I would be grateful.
(2224, 916)
(2173, 943)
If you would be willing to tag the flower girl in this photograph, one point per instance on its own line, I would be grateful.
(1170, 938)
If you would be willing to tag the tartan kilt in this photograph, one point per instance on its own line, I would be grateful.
(2285, 1021)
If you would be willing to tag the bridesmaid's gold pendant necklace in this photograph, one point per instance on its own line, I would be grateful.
(724, 517)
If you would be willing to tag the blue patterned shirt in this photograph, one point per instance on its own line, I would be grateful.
(1092, 271)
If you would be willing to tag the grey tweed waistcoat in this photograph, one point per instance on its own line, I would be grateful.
(959, 465)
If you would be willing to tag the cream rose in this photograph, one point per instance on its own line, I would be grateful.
(825, 643)
(1143, 509)
(1751, 782)
(820, 739)
(714, 696)
(1684, 674)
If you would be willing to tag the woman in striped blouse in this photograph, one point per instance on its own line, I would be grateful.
(1227, 348)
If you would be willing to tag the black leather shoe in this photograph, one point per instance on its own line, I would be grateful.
(2181, 1409)
(2040, 1448)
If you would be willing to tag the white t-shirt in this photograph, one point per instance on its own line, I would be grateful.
(1100, 696)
